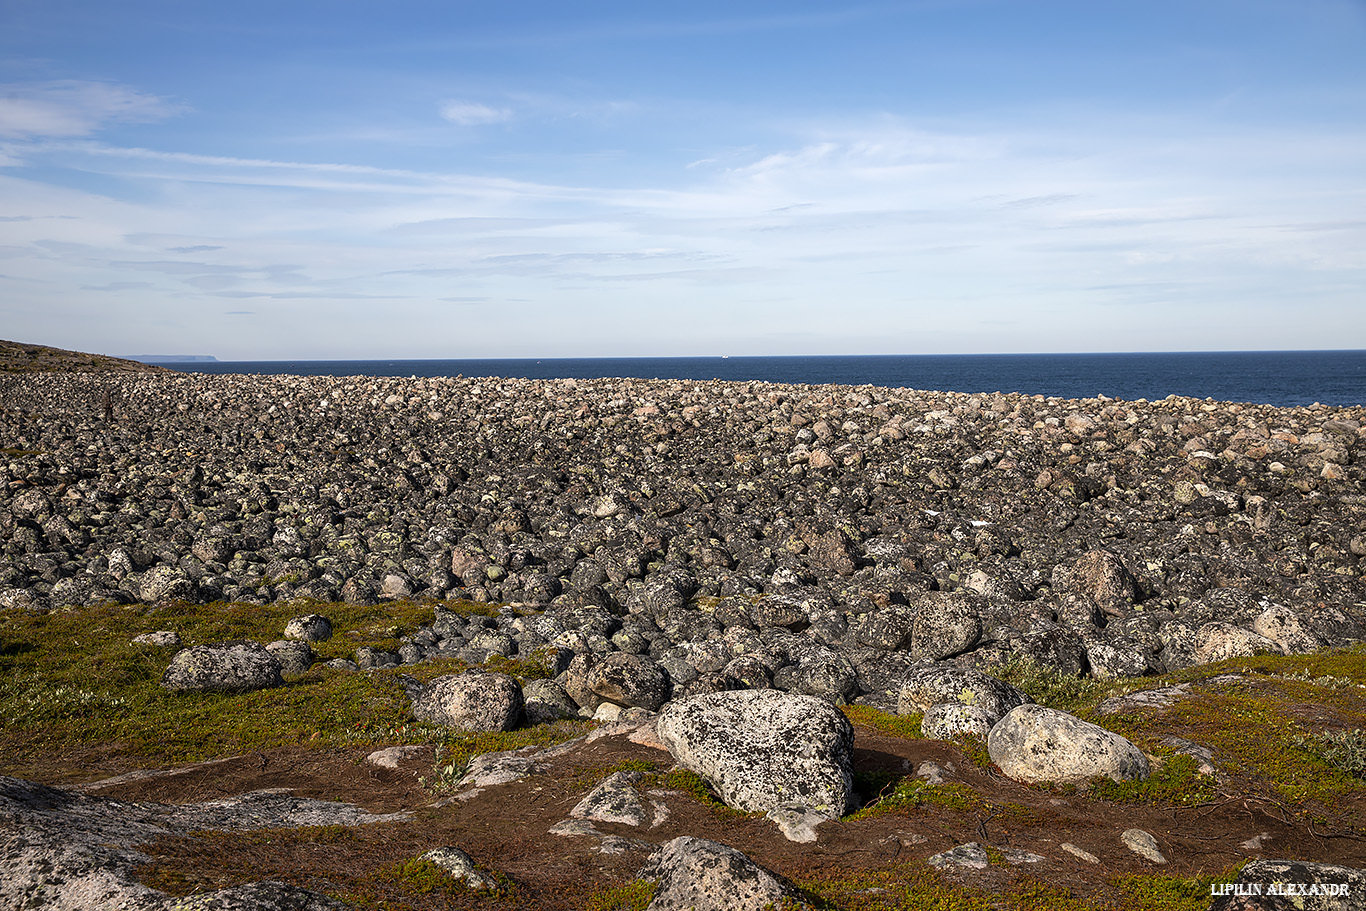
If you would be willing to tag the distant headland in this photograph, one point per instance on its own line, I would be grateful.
(171, 358)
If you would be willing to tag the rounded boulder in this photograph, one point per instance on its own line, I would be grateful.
(228, 667)
(473, 701)
(763, 748)
(1036, 744)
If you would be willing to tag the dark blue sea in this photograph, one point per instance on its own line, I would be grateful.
(1263, 377)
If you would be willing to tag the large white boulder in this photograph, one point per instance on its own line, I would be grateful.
(1034, 744)
(763, 748)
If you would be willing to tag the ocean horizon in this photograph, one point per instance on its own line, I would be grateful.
(1282, 378)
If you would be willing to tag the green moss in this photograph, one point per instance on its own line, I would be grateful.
(74, 678)
(696, 787)
(914, 884)
(1253, 730)
(1151, 892)
(420, 876)
(1176, 781)
(634, 896)
(905, 726)
(974, 750)
(1046, 686)
(901, 794)
(911, 884)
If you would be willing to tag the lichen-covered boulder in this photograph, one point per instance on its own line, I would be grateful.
(461, 866)
(1035, 744)
(1099, 575)
(165, 582)
(613, 800)
(544, 701)
(226, 667)
(946, 624)
(1300, 885)
(933, 685)
(629, 680)
(695, 874)
(763, 748)
(1287, 629)
(1217, 641)
(948, 720)
(295, 657)
(472, 701)
(309, 628)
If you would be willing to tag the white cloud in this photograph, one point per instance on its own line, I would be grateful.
(71, 108)
(472, 113)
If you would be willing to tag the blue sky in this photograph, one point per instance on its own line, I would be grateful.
(345, 179)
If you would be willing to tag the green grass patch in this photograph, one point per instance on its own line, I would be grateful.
(1176, 781)
(915, 884)
(909, 884)
(696, 787)
(71, 679)
(634, 896)
(1257, 726)
(1047, 687)
(900, 794)
(904, 726)
(1153, 892)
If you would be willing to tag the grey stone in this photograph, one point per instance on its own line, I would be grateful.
(1298, 884)
(1143, 844)
(948, 720)
(613, 800)
(544, 701)
(797, 822)
(461, 866)
(763, 748)
(695, 874)
(225, 667)
(164, 638)
(946, 624)
(295, 657)
(1217, 641)
(165, 582)
(925, 687)
(629, 680)
(974, 857)
(1036, 744)
(309, 628)
(472, 701)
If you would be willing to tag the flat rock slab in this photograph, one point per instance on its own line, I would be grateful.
(764, 748)
(68, 851)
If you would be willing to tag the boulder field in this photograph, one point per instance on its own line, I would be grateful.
(736, 557)
(816, 539)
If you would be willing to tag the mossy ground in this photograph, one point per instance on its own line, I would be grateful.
(914, 884)
(71, 679)
(73, 685)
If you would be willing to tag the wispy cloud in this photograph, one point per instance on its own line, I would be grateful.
(71, 108)
(473, 113)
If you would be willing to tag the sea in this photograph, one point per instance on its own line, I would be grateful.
(1282, 378)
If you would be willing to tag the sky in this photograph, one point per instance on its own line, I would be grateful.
(343, 179)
